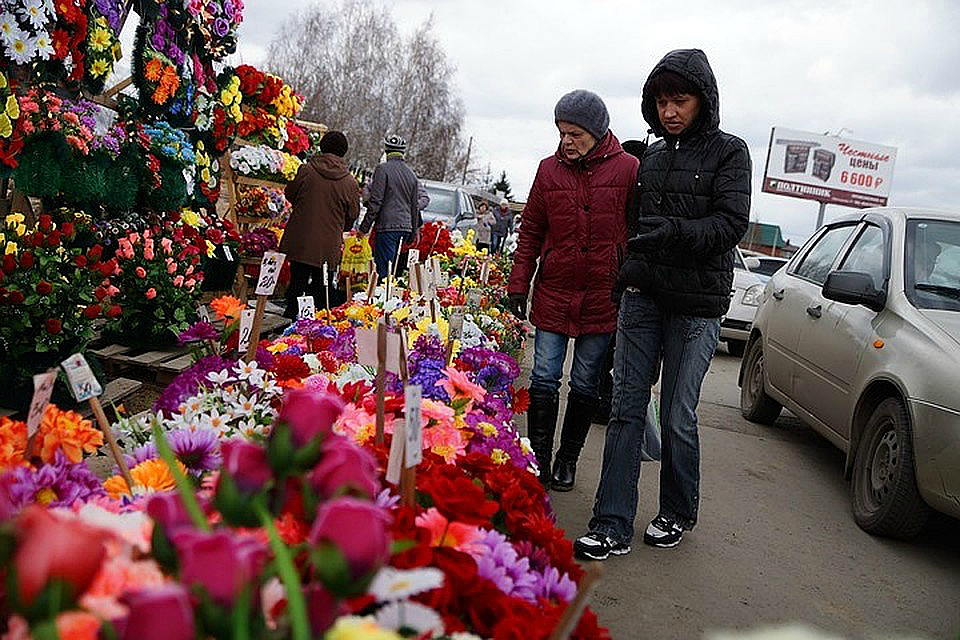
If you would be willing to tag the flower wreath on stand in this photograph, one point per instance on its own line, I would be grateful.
(11, 140)
(102, 46)
(44, 39)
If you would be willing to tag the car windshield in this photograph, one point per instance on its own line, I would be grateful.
(932, 267)
(442, 202)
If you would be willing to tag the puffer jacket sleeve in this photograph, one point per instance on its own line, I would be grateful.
(721, 230)
(533, 230)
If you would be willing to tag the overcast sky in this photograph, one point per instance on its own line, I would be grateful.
(880, 71)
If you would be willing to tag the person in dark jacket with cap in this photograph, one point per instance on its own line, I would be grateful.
(326, 202)
(675, 283)
(573, 233)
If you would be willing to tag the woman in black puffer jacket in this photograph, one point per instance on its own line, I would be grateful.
(675, 284)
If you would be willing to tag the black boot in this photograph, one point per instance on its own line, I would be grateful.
(576, 424)
(541, 425)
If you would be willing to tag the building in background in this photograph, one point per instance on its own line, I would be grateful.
(767, 239)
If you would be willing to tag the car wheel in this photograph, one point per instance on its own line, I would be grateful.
(736, 347)
(884, 487)
(755, 404)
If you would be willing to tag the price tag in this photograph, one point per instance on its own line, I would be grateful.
(444, 279)
(484, 272)
(473, 297)
(227, 253)
(395, 461)
(42, 390)
(203, 313)
(83, 383)
(413, 451)
(246, 328)
(306, 308)
(326, 274)
(455, 331)
(269, 272)
(413, 257)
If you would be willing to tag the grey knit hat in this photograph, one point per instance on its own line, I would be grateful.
(584, 109)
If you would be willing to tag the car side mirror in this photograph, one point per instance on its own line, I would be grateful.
(854, 287)
(752, 263)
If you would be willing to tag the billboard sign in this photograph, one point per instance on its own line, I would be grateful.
(828, 169)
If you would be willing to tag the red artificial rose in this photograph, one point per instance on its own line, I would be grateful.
(91, 311)
(45, 223)
(309, 414)
(54, 326)
(53, 240)
(158, 613)
(344, 467)
(80, 261)
(9, 263)
(94, 254)
(67, 229)
(99, 293)
(44, 287)
(247, 465)
(358, 528)
(15, 297)
(109, 267)
(26, 260)
(52, 548)
(114, 311)
(220, 562)
(457, 497)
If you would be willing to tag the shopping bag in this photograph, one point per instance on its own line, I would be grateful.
(650, 451)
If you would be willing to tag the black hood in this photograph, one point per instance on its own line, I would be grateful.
(692, 64)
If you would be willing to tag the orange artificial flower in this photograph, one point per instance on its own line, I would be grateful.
(69, 432)
(458, 385)
(78, 625)
(13, 443)
(149, 476)
(227, 307)
(154, 70)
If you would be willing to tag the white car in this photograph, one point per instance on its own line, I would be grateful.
(744, 300)
(859, 337)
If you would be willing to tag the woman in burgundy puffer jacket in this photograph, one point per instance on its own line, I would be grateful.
(575, 225)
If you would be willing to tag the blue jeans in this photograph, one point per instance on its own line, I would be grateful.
(550, 351)
(385, 245)
(686, 344)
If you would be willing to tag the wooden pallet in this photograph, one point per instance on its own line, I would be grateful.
(114, 392)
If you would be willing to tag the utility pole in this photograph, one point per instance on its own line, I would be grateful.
(466, 163)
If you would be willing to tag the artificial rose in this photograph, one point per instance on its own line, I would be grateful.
(141, 272)
(309, 413)
(151, 293)
(344, 466)
(54, 325)
(26, 260)
(43, 287)
(322, 608)
(247, 465)
(358, 528)
(220, 562)
(91, 311)
(159, 613)
(114, 311)
(457, 497)
(54, 548)
(167, 510)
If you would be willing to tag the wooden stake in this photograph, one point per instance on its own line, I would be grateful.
(349, 289)
(111, 441)
(326, 287)
(571, 615)
(381, 380)
(255, 331)
(371, 286)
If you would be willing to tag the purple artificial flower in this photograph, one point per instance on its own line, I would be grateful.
(142, 453)
(228, 9)
(198, 332)
(552, 585)
(498, 561)
(265, 359)
(57, 484)
(221, 27)
(213, 8)
(344, 346)
(198, 450)
(188, 383)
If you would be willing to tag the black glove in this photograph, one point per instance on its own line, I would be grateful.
(518, 305)
(653, 233)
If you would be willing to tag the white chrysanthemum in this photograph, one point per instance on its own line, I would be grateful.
(410, 615)
(44, 45)
(21, 48)
(8, 26)
(392, 584)
(34, 11)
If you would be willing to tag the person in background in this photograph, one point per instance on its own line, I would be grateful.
(573, 233)
(326, 202)
(502, 227)
(394, 204)
(675, 285)
(485, 223)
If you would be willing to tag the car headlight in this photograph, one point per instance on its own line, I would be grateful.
(753, 295)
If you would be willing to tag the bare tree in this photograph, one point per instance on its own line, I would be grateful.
(357, 74)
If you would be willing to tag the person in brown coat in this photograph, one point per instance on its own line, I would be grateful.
(326, 202)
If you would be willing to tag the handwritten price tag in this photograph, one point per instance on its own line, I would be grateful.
(413, 453)
(246, 328)
(42, 390)
(227, 253)
(413, 257)
(326, 274)
(269, 272)
(306, 308)
(455, 331)
(203, 313)
(473, 297)
(83, 383)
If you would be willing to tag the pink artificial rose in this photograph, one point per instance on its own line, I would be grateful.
(220, 562)
(178, 281)
(151, 293)
(141, 272)
(148, 252)
(247, 464)
(167, 245)
(190, 283)
(172, 267)
(309, 413)
(358, 528)
(167, 510)
(158, 613)
(322, 608)
(189, 270)
(344, 467)
(112, 290)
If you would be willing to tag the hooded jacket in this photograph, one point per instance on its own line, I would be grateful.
(699, 181)
(396, 198)
(574, 224)
(326, 202)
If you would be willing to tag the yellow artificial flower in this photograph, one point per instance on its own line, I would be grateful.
(14, 219)
(3, 80)
(499, 456)
(6, 127)
(99, 67)
(99, 39)
(12, 108)
(117, 50)
(488, 429)
(101, 22)
(205, 174)
(356, 628)
(190, 217)
(11, 248)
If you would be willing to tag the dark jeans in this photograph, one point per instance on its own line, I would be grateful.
(307, 280)
(686, 343)
(385, 245)
(550, 350)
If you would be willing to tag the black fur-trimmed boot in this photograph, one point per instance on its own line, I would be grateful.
(541, 425)
(576, 425)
